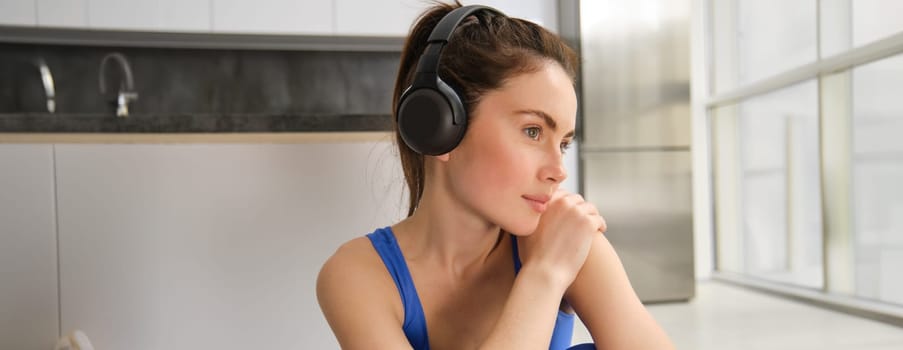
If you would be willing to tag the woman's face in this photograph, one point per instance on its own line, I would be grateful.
(512, 152)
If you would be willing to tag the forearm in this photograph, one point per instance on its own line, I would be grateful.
(608, 306)
(529, 315)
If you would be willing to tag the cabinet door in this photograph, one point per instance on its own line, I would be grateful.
(29, 313)
(542, 12)
(62, 13)
(378, 18)
(395, 17)
(185, 247)
(17, 12)
(152, 15)
(273, 16)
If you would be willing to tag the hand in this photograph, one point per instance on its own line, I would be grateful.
(562, 239)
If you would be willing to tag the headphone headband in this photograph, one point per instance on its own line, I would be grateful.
(431, 117)
(446, 26)
(441, 34)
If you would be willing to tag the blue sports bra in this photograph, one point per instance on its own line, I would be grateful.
(414, 325)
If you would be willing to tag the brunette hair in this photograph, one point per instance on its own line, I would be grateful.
(485, 50)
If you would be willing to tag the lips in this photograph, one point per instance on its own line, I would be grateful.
(542, 198)
(537, 202)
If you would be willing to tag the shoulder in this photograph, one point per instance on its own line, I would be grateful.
(355, 264)
(352, 253)
(355, 291)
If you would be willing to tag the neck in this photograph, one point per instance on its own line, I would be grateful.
(450, 236)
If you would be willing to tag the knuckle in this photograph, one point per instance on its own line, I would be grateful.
(567, 200)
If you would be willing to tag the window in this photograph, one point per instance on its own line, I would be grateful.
(757, 39)
(878, 179)
(805, 117)
(768, 148)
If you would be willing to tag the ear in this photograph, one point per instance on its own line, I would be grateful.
(443, 157)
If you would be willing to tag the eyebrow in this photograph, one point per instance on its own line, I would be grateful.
(548, 119)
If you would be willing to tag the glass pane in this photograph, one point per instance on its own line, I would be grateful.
(767, 186)
(757, 39)
(835, 27)
(851, 23)
(877, 173)
(875, 19)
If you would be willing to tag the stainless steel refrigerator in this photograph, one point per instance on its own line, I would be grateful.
(635, 150)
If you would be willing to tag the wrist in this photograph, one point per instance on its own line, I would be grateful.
(545, 277)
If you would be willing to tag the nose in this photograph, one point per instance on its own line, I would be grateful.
(554, 170)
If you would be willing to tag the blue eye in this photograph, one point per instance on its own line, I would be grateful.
(532, 132)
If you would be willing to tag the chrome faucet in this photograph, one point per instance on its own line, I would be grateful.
(47, 80)
(127, 92)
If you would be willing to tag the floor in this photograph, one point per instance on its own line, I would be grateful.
(724, 316)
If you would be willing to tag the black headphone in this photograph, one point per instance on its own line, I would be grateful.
(431, 116)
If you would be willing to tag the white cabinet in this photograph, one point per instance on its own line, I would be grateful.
(543, 12)
(28, 266)
(378, 18)
(311, 17)
(62, 13)
(17, 12)
(273, 16)
(194, 246)
(395, 17)
(151, 15)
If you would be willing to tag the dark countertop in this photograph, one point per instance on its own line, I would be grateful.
(192, 123)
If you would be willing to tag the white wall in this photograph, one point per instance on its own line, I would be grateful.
(29, 313)
(211, 246)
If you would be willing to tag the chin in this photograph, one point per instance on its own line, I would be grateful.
(522, 227)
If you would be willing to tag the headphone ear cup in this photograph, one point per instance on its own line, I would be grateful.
(431, 121)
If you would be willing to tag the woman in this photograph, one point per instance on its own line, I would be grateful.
(492, 254)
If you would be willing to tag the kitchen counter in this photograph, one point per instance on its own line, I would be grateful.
(178, 128)
(243, 137)
(192, 123)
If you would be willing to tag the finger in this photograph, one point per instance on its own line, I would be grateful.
(558, 194)
(579, 198)
(588, 208)
(574, 199)
(602, 225)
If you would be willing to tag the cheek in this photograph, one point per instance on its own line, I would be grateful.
(491, 178)
(495, 178)
(501, 166)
